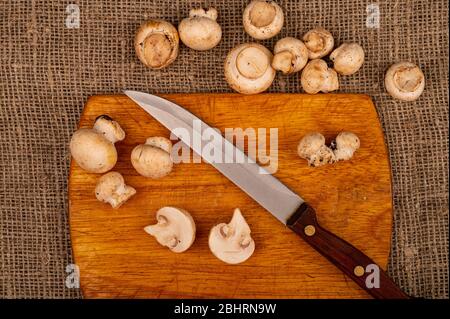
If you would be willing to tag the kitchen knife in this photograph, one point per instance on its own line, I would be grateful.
(288, 207)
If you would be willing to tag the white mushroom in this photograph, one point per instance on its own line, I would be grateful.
(290, 55)
(319, 42)
(93, 149)
(404, 81)
(175, 229)
(347, 58)
(263, 19)
(156, 43)
(345, 144)
(317, 76)
(200, 31)
(153, 159)
(312, 148)
(232, 242)
(111, 188)
(248, 69)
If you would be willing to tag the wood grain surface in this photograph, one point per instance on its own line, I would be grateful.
(117, 259)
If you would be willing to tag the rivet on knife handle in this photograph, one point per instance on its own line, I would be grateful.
(346, 257)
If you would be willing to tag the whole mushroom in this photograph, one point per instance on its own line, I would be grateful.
(111, 188)
(319, 42)
(248, 68)
(156, 43)
(153, 158)
(312, 147)
(345, 145)
(347, 58)
(263, 19)
(200, 31)
(232, 242)
(175, 229)
(290, 55)
(404, 81)
(317, 77)
(93, 149)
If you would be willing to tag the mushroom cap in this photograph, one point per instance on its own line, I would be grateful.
(175, 229)
(156, 43)
(345, 144)
(109, 128)
(232, 242)
(319, 42)
(200, 31)
(347, 58)
(312, 148)
(263, 19)
(111, 189)
(404, 81)
(317, 76)
(152, 160)
(290, 55)
(248, 69)
(92, 151)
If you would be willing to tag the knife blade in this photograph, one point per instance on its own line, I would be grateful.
(253, 179)
(274, 196)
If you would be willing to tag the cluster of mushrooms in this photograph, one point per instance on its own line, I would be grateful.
(250, 68)
(94, 151)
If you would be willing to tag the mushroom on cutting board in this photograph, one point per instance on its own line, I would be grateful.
(318, 77)
(175, 229)
(153, 159)
(319, 42)
(93, 149)
(404, 81)
(347, 58)
(290, 55)
(248, 68)
(200, 31)
(156, 44)
(345, 145)
(111, 188)
(312, 148)
(232, 242)
(263, 19)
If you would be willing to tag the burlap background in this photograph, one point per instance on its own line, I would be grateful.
(48, 70)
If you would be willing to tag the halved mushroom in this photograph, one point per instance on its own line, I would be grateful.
(312, 148)
(317, 76)
(248, 69)
(175, 229)
(156, 43)
(111, 188)
(93, 149)
(345, 145)
(200, 31)
(347, 58)
(291, 55)
(404, 81)
(263, 19)
(319, 42)
(153, 159)
(232, 242)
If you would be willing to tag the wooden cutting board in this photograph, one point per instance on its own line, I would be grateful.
(117, 259)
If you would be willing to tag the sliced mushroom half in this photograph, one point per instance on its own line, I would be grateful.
(175, 229)
(232, 242)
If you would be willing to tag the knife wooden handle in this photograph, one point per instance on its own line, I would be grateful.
(346, 257)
